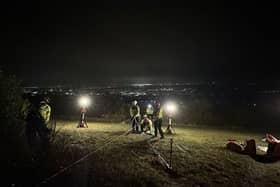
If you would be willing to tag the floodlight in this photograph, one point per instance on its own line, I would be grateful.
(84, 101)
(171, 108)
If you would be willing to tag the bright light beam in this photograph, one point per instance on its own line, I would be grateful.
(171, 107)
(84, 101)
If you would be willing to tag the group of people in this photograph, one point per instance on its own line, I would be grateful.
(38, 118)
(151, 119)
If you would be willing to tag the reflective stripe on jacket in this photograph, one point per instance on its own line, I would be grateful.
(134, 110)
(159, 113)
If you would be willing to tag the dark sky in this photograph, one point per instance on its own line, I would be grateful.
(45, 43)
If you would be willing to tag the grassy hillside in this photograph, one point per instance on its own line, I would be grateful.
(199, 158)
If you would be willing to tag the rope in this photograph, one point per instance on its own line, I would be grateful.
(46, 180)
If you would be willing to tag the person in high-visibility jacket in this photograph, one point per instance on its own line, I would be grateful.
(45, 110)
(36, 123)
(158, 114)
(135, 116)
(45, 113)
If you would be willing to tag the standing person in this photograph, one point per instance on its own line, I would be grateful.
(158, 112)
(45, 114)
(135, 116)
(45, 110)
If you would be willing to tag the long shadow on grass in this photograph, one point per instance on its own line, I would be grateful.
(265, 158)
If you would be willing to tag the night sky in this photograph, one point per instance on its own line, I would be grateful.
(68, 43)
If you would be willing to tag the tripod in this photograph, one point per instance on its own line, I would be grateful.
(170, 129)
(83, 122)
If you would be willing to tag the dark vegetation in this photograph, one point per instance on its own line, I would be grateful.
(15, 150)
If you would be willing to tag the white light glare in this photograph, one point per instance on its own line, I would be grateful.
(84, 101)
(171, 108)
(149, 106)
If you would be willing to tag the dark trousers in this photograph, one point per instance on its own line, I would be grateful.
(270, 149)
(142, 127)
(31, 134)
(158, 124)
(36, 127)
(135, 122)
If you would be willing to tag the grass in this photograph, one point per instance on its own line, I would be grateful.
(199, 158)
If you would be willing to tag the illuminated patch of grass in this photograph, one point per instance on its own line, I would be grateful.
(199, 158)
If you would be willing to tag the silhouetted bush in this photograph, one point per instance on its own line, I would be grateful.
(12, 127)
(11, 103)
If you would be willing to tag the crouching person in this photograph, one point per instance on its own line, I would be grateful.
(146, 125)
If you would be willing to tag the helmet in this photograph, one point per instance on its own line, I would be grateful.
(46, 99)
(145, 116)
(134, 102)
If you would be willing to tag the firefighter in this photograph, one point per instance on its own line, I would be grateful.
(158, 115)
(146, 125)
(135, 116)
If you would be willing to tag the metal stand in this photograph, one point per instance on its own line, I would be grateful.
(171, 151)
(169, 129)
(83, 123)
